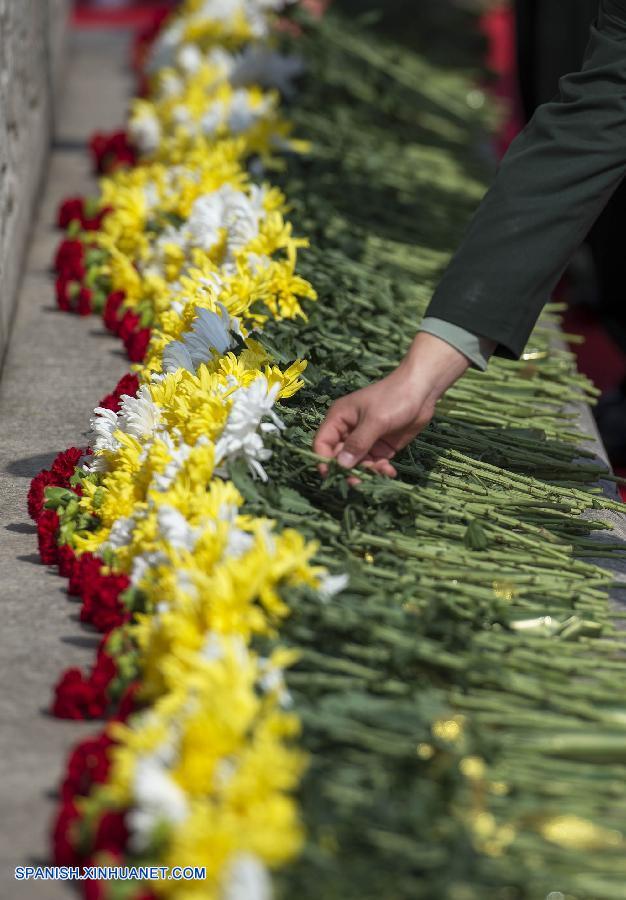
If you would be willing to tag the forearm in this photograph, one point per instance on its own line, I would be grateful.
(552, 185)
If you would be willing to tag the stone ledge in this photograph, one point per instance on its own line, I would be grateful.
(32, 34)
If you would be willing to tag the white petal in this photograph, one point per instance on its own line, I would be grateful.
(247, 879)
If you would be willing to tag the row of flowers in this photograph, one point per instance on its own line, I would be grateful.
(185, 253)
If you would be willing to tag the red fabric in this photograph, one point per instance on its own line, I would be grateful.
(498, 26)
(131, 15)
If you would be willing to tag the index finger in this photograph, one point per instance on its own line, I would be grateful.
(331, 434)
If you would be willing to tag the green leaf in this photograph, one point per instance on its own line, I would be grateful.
(475, 537)
(56, 497)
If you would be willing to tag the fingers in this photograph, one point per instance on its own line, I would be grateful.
(375, 466)
(329, 439)
(360, 441)
(352, 434)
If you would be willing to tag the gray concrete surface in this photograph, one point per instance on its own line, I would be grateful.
(56, 370)
(32, 40)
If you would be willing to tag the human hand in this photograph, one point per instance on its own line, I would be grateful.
(370, 426)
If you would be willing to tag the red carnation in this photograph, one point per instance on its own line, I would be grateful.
(102, 607)
(111, 309)
(65, 462)
(63, 852)
(86, 572)
(65, 288)
(75, 697)
(104, 670)
(111, 833)
(93, 889)
(110, 151)
(111, 401)
(69, 260)
(47, 529)
(84, 300)
(94, 222)
(128, 702)
(71, 210)
(137, 344)
(36, 497)
(128, 324)
(87, 765)
(127, 385)
(76, 209)
(66, 560)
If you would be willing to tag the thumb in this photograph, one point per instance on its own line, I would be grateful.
(359, 442)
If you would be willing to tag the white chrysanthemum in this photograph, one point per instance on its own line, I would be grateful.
(256, 12)
(258, 262)
(157, 799)
(272, 681)
(145, 132)
(212, 281)
(139, 416)
(222, 61)
(212, 649)
(214, 330)
(142, 563)
(225, 771)
(331, 585)
(170, 84)
(189, 58)
(164, 48)
(210, 332)
(158, 257)
(176, 356)
(206, 220)
(121, 533)
(242, 114)
(179, 452)
(182, 116)
(175, 529)
(104, 423)
(240, 437)
(246, 879)
(226, 209)
(216, 645)
(239, 542)
(213, 118)
(185, 584)
(259, 65)
(151, 196)
(242, 217)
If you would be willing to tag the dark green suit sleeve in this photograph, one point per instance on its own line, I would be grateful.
(553, 183)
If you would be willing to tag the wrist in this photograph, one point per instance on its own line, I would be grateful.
(432, 365)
